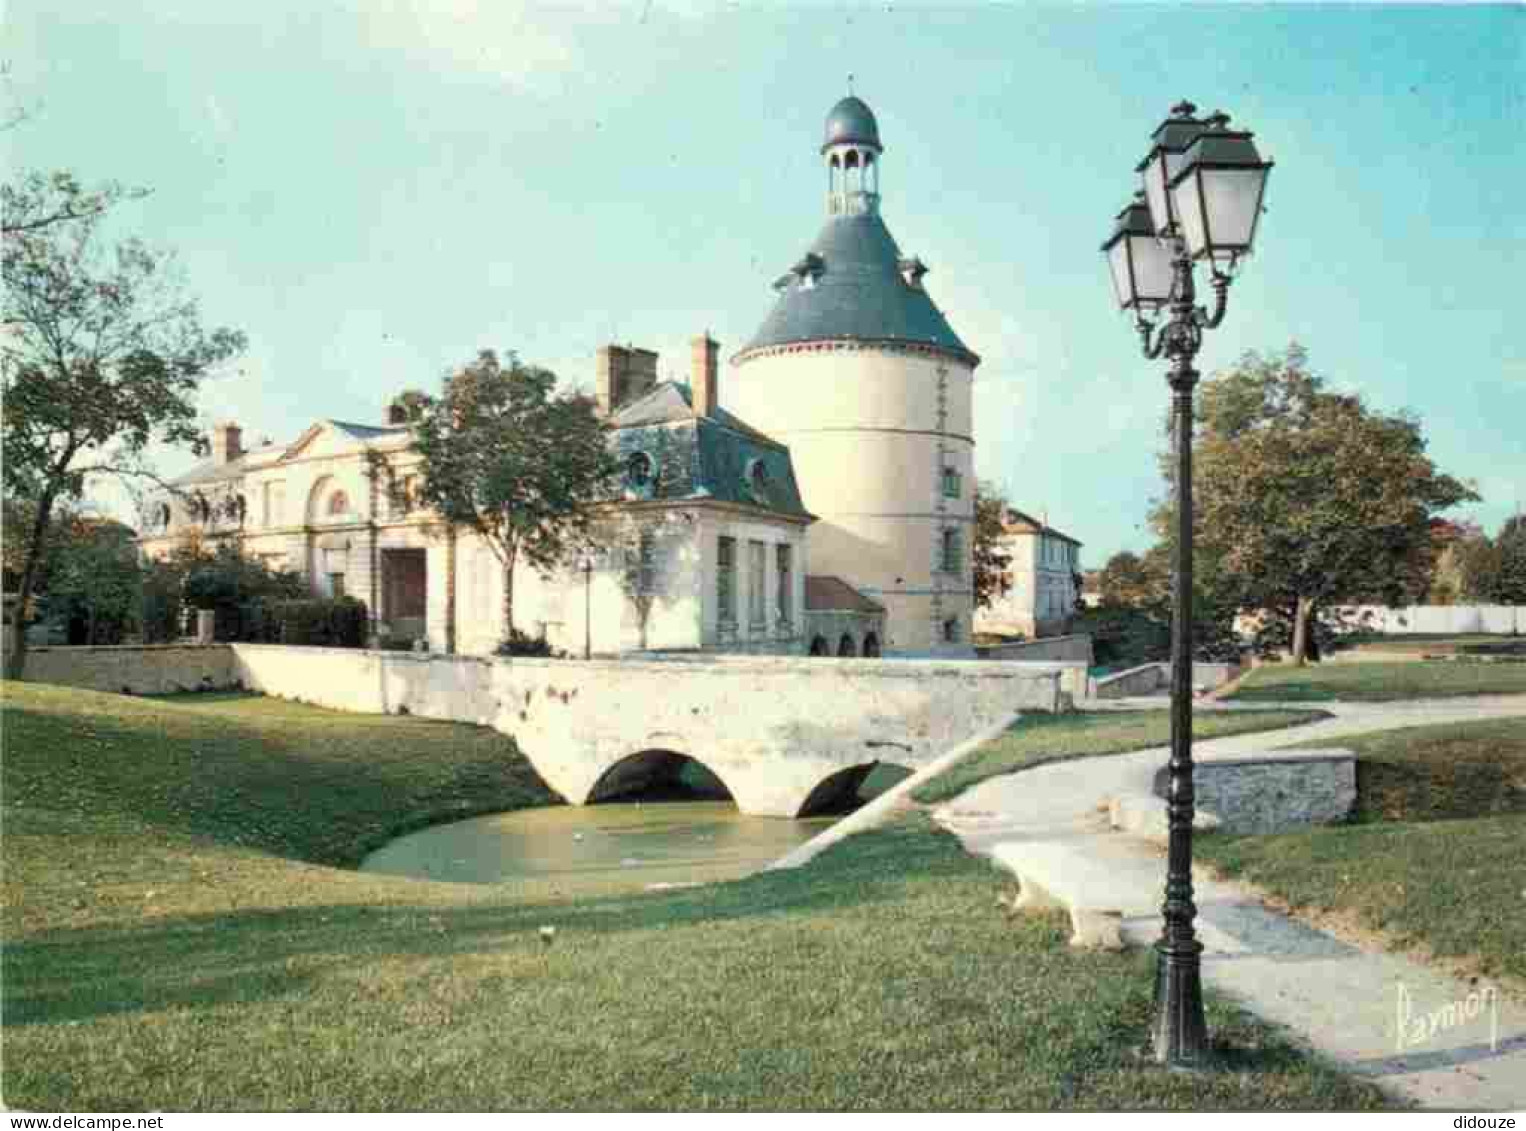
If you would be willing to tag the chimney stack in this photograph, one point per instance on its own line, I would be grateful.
(227, 442)
(706, 357)
(625, 373)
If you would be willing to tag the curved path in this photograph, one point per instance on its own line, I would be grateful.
(1346, 1001)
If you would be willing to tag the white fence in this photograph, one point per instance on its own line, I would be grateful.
(1440, 619)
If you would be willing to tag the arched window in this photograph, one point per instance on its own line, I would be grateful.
(871, 645)
(819, 646)
(639, 471)
(339, 504)
(162, 516)
(846, 647)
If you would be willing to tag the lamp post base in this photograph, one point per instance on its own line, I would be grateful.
(1179, 1034)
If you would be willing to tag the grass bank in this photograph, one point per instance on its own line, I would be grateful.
(1037, 739)
(1435, 643)
(177, 938)
(1379, 682)
(1436, 856)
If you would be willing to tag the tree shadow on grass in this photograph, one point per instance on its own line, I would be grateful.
(197, 961)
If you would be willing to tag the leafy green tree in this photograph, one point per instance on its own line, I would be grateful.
(991, 578)
(1124, 580)
(505, 456)
(95, 583)
(102, 354)
(1306, 497)
(1509, 586)
(1466, 571)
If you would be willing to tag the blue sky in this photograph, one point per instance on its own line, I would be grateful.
(374, 190)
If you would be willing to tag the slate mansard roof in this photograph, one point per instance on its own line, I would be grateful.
(851, 286)
(696, 458)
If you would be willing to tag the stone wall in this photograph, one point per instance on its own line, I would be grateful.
(772, 729)
(141, 669)
(1155, 678)
(1075, 648)
(1441, 619)
(1273, 793)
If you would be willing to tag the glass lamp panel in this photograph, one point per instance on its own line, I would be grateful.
(1156, 195)
(1118, 267)
(1152, 271)
(1233, 197)
(1186, 199)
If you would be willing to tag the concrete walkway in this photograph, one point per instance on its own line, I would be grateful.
(1380, 1015)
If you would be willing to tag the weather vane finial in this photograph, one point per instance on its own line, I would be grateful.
(850, 84)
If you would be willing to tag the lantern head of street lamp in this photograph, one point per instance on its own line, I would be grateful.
(1164, 161)
(1216, 194)
(1139, 263)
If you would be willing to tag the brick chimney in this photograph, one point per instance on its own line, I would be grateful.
(400, 409)
(625, 373)
(705, 352)
(227, 442)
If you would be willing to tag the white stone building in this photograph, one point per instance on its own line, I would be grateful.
(854, 399)
(705, 550)
(1041, 572)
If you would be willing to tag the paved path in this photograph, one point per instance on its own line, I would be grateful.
(1347, 1002)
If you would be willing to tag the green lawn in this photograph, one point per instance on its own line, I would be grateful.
(1036, 739)
(1380, 682)
(1437, 856)
(179, 937)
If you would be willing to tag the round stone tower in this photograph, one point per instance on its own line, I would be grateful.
(861, 375)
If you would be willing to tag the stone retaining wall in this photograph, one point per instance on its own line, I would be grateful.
(1075, 648)
(1153, 678)
(142, 669)
(1274, 793)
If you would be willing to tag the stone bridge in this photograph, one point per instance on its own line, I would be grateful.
(785, 735)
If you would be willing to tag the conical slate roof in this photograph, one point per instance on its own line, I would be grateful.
(854, 285)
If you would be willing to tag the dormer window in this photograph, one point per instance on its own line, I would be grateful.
(640, 473)
(758, 482)
(912, 271)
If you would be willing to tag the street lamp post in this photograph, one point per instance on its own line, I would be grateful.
(1203, 187)
(587, 564)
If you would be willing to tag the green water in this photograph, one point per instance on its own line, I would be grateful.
(597, 849)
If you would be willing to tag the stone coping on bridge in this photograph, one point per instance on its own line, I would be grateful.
(892, 667)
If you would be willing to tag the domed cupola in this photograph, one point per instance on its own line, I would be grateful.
(854, 284)
(851, 122)
(852, 150)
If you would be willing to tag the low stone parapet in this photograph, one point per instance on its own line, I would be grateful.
(1271, 793)
(137, 669)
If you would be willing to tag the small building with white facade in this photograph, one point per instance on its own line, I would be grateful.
(1042, 567)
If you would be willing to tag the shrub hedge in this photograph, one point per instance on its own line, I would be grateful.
(339, 622)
